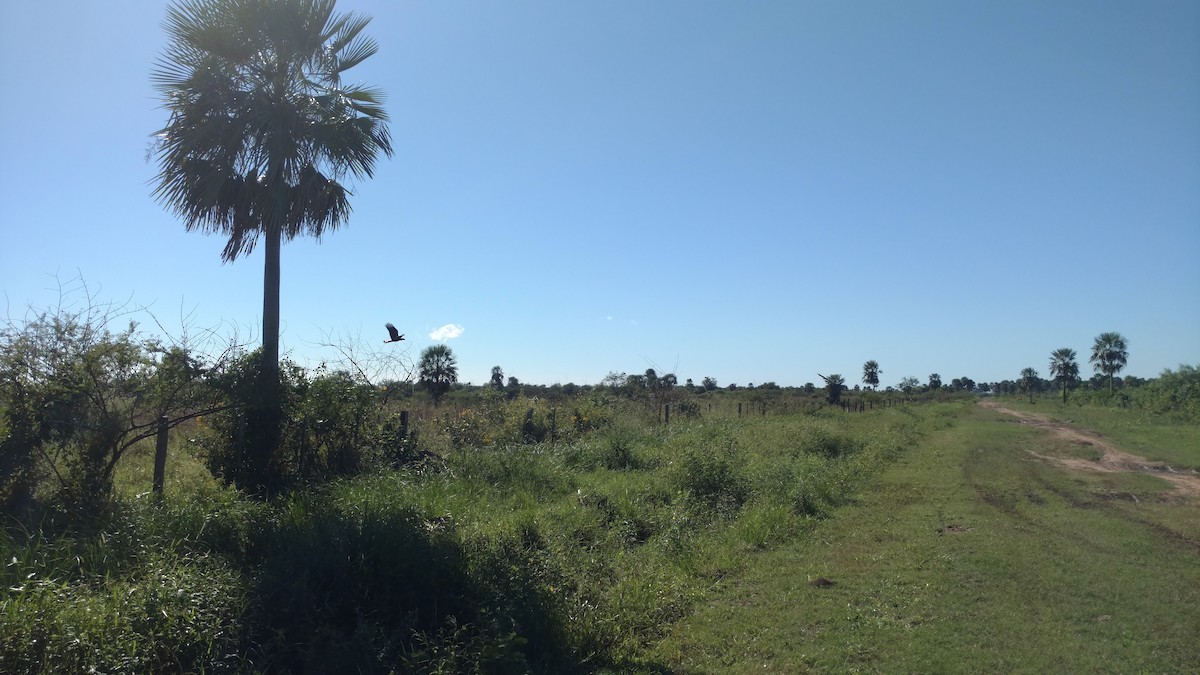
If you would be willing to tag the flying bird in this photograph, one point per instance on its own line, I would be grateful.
(396, 336)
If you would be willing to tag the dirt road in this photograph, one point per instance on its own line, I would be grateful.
(1112, 459)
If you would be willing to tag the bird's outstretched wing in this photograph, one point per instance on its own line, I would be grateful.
(395, 334)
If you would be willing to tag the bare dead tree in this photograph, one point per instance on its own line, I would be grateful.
(372, 364)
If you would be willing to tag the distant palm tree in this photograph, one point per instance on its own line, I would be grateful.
(834, 384)
(1109, 354)
(1064, 368)
(871, 373)
(438, 371)
(935, 381)
(1029, 382)
(262, 130)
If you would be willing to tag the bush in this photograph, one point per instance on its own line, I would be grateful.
(332, 426)
(75, 396)
(710, 471)
(1175, 392)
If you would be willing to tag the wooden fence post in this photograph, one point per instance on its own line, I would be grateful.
(160, 457)
(739, 409)
(667, 414)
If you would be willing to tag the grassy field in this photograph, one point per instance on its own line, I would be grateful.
(967, 554)
(914, 538)
(575, 556)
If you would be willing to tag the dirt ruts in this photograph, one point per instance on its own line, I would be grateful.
(1112, 459)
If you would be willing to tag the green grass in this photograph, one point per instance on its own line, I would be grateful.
(968, 555)
(556, 557)
(632, 548)
(1155, 437)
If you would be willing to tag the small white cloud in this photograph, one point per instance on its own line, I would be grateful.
(447, 332)
(608, 318)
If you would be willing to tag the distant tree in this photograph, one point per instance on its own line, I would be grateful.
(908, 383)
(1109, 354)
(834, 385)
(935, 381)
(614, 380)
(709, 384)
(810, 388)
(689, 384)
(1064, 368)
(260, 137)
(1133, 381)
(651, 379)
(497, 381)
(1029, 382)
(871, 374)
(438, 371)
(513, 389)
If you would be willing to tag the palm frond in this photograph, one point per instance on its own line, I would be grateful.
(260, 131)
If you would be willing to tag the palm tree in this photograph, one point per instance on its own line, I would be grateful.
(834, 384)
(1109, 354)
(935, 381)
(871, 373)
(262, 131)
(1029, 382)
(1064, 368)
(439, 371)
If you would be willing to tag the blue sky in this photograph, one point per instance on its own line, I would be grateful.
(750, 191)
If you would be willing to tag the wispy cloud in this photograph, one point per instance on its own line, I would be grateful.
(447, 332)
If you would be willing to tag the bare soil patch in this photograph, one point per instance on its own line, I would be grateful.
(1112, 459)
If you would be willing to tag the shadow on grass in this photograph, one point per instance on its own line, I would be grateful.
(344, 587)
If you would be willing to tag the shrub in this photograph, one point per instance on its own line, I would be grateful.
(710, 471)
(333, 426)
(1176, 392)
(75, 396)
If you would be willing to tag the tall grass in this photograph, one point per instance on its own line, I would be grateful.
(575, 552)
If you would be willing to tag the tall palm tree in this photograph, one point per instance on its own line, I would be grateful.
(439, 371)
(1064, 368)
(262, 132)
(1029, 382)
(871, 373)
(1109, 354)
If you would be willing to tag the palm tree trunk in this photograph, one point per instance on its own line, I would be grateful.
(270, 355)
(268, 418)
